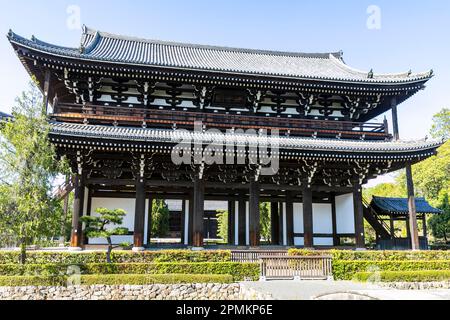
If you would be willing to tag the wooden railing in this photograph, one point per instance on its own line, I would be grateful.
(179, 118)
(401, 244)
(254, 255)
(294, 267)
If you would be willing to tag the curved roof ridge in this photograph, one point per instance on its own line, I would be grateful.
(318, 55)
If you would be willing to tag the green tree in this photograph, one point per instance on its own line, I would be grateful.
(28, 167)
(265, 223)
(222, 224)
(160, 218)
(102, 226)
(441, 125)
(440, 224)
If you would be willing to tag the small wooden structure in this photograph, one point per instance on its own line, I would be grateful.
(255, 255)
(296, 267)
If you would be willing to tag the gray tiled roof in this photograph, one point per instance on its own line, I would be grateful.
(5, 116)
(400, 205)
(101, 46)
(134, 134)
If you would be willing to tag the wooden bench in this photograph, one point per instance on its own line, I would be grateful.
(297, 268)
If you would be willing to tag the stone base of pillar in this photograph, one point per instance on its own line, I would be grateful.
(197, 249)
(75, 249)
(360, 249)
(138, 249)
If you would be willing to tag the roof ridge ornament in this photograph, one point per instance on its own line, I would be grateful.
(370, 75)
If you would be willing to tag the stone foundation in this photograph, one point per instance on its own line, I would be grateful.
(415, 285)
(128, 292)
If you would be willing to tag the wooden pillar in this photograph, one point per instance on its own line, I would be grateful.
(231, 222)
(77, 226)
(412, 209)
(242, 221)
(289, 219)
(336, 241)
(424, 223)
(275, 223)
(199, 212)
(395, 119)
(149, 220)
(359, 216)
(88, 210)
(46, 97)
(281, 223)
(308, 218)
(408, 231)
(191, 218)
(139, 215)
(391, 225)
(254, 214)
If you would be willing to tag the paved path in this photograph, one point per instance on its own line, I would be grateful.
(340, 290)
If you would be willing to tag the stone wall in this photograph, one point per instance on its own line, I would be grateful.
(415, 285)
(128, 292)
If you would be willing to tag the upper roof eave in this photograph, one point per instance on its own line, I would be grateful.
(77, 54)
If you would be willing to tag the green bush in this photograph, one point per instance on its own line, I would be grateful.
(239, 271)
(121, 279)
(345, 270)
(404, 276)
(11, 257)
(375, 255)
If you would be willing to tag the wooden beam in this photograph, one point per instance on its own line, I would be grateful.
(412, 209)
(308, 217)
(46, 93)
(149, 220)
(336, 241)
(254, 214)
(231, 221)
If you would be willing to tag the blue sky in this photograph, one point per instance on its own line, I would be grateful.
(413, 35)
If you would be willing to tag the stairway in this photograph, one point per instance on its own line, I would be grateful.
(380, 227)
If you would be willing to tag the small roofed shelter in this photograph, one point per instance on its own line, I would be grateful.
(397, 209)
(5, 116)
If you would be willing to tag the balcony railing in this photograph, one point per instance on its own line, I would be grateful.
(95, 114)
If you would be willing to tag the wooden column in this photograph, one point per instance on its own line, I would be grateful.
(242, 221)
(308, 218)
(359, 216)
(149, 220)
(395, 119)
(199, 212)
(275, 223)
(412, 209)
(46, 97)
(191, 218)
(391, 225)
(88, 210)
(280, 224)
(289, 219)
(139, 215)
(231, 222)
(77, 226)
(424, 223)
(254, 214)
(334, 220)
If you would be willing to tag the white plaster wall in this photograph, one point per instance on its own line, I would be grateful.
(128, 221)
(322, 218)
(323, 241)
(174, 205)
(345, 221)
(216, 205)
(298, 218)
(186, 223)
(236, 223)
(284, 225)
(247, 223)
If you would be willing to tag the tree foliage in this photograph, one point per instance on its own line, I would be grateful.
(160, 218)
(441, 125)
(265, 223)
(103, 226)
(28, 167)
(222, 224)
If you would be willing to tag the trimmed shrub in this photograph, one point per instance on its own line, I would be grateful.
(404, 276)
(11, 257)
(375, 255)
(345, 270)
(120, 279)
(239, 271)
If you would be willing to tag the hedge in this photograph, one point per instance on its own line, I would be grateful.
(345, 270)
(239, 271)
(404, 276)
(120, 279)
(33, 257)
(375, 255)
